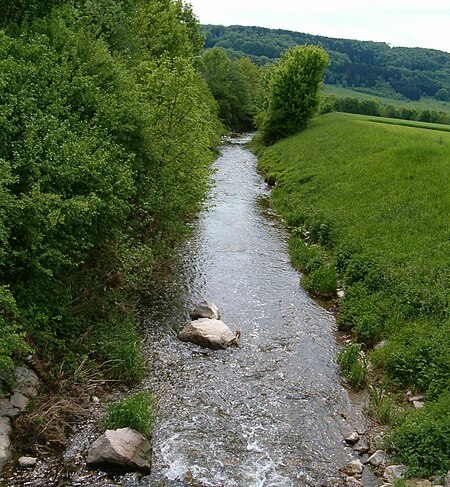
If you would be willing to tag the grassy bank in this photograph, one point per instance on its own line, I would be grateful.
(369, 204)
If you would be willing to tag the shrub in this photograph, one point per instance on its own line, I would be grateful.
(363, 313)
(422, 440)
(321, 282)
(353, 365)
(383, 406)
(418, 357)
(135, 411)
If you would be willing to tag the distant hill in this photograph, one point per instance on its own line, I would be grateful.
(375, 66)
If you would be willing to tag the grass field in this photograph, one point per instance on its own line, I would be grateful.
(369, 207)
(425, 103)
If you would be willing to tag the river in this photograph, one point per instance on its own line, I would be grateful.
(272, 412)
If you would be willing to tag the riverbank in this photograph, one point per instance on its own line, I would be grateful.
(368, 207)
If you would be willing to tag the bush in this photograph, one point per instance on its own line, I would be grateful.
(363, 313)
(422, 440)
(136, 412)
(353, 365)
(418, 357)
(321, 282)
(292, 92)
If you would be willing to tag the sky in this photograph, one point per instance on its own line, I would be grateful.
(409, 23)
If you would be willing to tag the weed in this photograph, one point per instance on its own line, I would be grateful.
(353, 364)
(136, 412)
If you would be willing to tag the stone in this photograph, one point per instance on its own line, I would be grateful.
(205, 309)
(340, 293)
(5, 426)
(7, 409)
(352, 438)
(361, 449)
(19, 401)
(394, 472)
(26, 376)
(95, 399)
(353, 481)
(355, 467)
(27, 462)
(380, 345)
(418, 404)
(5, 442)
(209, 333)
(418, 397)
(377, 459)
(418, 483)
(123, 448)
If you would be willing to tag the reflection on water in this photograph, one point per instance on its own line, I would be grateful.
(269, 413)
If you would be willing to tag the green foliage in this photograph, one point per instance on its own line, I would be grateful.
(353, 364)
(418, 357)
(367, 106)
(401, 73)
(383, 407)
(422, 439)
(135, 412)
(292, 92)
(321, 282)
(106, 135)
(11, 340)
(234, 85)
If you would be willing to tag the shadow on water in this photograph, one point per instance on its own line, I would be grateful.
(272, 412)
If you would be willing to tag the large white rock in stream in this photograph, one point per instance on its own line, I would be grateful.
(205, 309)
(124, 449)
(209, 333)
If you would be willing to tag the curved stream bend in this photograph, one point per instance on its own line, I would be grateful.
(269, 413)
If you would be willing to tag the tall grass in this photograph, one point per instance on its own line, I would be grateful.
(372, 202)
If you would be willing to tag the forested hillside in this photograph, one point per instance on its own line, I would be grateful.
(106, 133)
(409, 72)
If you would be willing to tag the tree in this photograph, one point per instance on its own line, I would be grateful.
(292, 92)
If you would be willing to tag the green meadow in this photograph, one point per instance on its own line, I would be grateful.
(425, 103)
(369, 208)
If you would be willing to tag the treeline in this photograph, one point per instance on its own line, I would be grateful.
(332, 103)
(106, 133)
(410, 72)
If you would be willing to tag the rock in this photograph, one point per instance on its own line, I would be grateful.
(7, 409)
(380, 345)
(95, 400)
(418, 483)
(19, 401)
(411, 398)
(394, 472)
(361, 449)
(209, 333)
(205, 309)
(27, 382)
(340, 293)
(418, 404)
(27, 462)
(352, 438)
(5, 443)
(355, 467)
(352, 481)
(377, 459)
(123, 448)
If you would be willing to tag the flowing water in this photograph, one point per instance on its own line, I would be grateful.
(271, 412)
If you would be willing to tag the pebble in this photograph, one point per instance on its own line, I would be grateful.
(27, 462)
